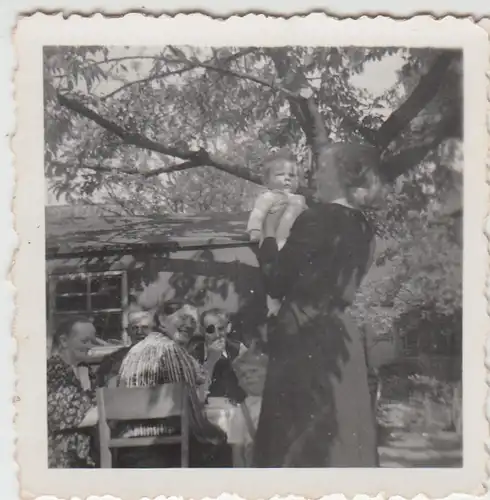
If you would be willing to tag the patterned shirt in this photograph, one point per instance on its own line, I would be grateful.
(68, 403)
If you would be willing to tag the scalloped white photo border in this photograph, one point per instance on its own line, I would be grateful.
(28, 272)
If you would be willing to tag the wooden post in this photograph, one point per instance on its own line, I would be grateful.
(104, 433)
(185, 423)
(50, 320)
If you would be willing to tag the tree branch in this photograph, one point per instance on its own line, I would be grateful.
(190, 66)
(124, 208)
(237, 55)
(302, 109)
(396, 165)
(178, 167)
(98, 167)
(320, 131)
(127, 137)
(424, 92)
(121, 59)
(255, 79)
(298, 107)
(367, 133)
(148, 79)
(95, 167)
(193, 158)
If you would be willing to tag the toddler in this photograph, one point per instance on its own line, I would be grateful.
(282, 181)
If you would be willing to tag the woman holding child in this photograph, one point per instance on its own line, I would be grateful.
(316, 409)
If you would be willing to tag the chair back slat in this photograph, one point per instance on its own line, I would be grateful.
(143, 403)
(104, 433)
(185, 433)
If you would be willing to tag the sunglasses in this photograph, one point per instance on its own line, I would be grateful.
(211, 329)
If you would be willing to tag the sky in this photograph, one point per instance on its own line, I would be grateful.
(379, 75)
(376, 77)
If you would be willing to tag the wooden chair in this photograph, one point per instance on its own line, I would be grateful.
(142, 403)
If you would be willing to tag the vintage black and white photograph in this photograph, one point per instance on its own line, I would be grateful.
(214, 220)
(253, 256)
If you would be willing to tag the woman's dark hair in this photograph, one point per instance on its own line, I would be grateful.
(168, 308)
(352, 169)
(65, 327)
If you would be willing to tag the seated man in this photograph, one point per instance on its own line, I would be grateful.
(140, 323)
(216, 351)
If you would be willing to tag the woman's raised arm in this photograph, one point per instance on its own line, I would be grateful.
(282, 268)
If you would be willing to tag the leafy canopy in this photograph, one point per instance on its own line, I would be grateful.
(172, 123)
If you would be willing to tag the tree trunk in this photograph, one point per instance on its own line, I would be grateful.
(304, 110)
(423, 93)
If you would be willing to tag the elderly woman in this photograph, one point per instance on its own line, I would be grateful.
(161, 358)
(71, 396)
(162, 348)
(316, 409)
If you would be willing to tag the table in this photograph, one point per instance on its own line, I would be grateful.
(231, 419)
(228, 417)
(221, 412)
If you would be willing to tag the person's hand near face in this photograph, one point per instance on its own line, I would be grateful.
(216, 329)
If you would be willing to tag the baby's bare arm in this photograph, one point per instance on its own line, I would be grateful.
(262, 206)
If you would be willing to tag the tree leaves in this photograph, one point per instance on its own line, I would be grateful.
(197, 103)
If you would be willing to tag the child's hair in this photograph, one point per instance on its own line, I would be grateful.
(275, 160)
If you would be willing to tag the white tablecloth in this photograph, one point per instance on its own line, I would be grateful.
(229, 417)
(221, 412)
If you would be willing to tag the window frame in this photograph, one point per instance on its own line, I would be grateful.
(53, 278)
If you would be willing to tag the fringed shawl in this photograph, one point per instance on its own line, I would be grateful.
(159, 360)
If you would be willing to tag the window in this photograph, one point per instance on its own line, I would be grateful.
(101, 296)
